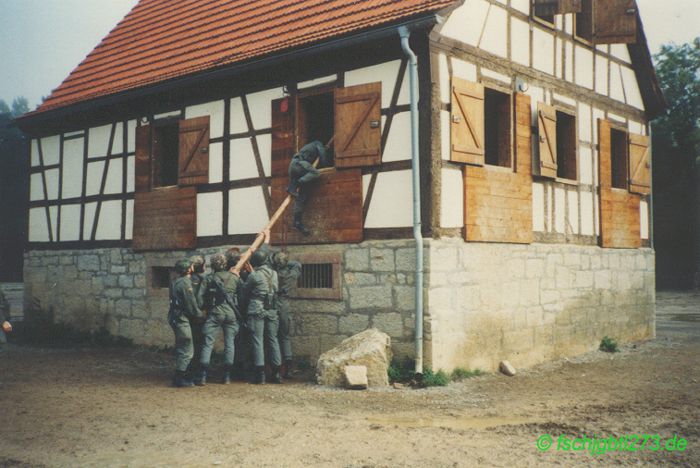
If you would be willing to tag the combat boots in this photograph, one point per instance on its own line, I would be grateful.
(259, 377)
(201, 379)
(300, 226)
(180, 381)
(276, 379)
(287, 369)
(227, 375)
(292, 188)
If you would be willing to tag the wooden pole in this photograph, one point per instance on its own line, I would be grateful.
(270, 224)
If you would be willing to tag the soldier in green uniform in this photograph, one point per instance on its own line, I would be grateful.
(198, 268)
(183, 308)
(5, 326)
(301, 174)
(219, 294)
(260, 292)
(287, 274)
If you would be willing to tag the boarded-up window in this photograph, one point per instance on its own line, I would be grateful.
(608, 21)
(358, 126)
(165, 219)
(467, 122)
(567, 144)
(640, 164)
(498, 123)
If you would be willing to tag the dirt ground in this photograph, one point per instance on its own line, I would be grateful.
(114, 407)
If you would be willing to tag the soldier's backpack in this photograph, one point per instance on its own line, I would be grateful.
(216, 295)
(175, 308)
(270, 299)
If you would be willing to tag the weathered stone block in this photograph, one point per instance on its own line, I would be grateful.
(356, 377)
(389, 323)
(357, 260)
(360, 279)
(122, 308)
(353, 323)
(381, 259)
(404, 298)
(405, 259)
(126, 281)
(371, 297)
(371, 349)
(318, 324)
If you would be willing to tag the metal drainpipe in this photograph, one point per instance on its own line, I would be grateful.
(405, 34)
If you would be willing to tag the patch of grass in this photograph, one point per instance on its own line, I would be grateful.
(401, 371)
(435, 379)
(608, 345)
(459, 374)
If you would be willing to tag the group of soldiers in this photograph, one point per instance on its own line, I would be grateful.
(251, 307)
(5, 326)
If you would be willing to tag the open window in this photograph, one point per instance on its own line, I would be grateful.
(498, 124)
(172, 157)
(618, 158)
(315, 118)
(608, 21)
(558, 143)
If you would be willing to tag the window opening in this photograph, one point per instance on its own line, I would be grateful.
(618, 158)
(497, 113)
(316, 119)
(161, 276)
(165, 154)
(566, 146)
(316, 276)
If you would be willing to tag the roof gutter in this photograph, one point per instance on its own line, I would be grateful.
(34, 118)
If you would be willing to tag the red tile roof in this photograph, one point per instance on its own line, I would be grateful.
(164, 39)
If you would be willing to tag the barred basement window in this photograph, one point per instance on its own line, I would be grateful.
(316, 275)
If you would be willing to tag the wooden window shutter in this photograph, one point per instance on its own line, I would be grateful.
(358, 126)
(467, 122)
(193, 159)
(142, 163)
(547, 122)
(640, 164)
(604, 153)
(523, 134)
(556, 7)
(614, 21)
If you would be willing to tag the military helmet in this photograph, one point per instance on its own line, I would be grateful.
(198, 263)
(233, 255)
(280, 259)
(182, 266)
(218, 262)
(258, 258)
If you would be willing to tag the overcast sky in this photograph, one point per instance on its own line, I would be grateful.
(41, 41)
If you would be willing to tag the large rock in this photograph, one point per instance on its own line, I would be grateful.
(370, 348)
(356, 377)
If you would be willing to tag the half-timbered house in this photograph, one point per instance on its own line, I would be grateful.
(175, 133)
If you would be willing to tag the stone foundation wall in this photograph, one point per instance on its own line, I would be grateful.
(530, 304)
(483, 302)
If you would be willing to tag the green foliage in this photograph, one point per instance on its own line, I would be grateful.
(459, 374)
(401, 371)
(435, 379)
(19, 106)
(608, 345)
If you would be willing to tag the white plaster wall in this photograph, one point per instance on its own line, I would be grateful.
(466, 22)
(317, 81)
(114, 176)
(585, 166)
(601, 75)
(129, 220)
(391, 204)
(98, 141)
(521, 5)
(70, 223)
(215, 111)
(35, 153)
(462, 69)
(90, 209)
(543, 50)
(559, 210)
(632, 93)
(398, 144)
(130, 173)
(620, 51)
(247, 211)
(72, 168)
(260, 105)
(131, 136)
(558, 54)
(616, 86)
(585, 132)
(36, 187)
(265, 148)
(110, 222)
(568, 61)
(584, 67)
(210, 207)
(505, 79)
(238, 123)
(644, 219)
(216, 162)
(165, 115)
(587, 221)
(538, 207)
(52, 183)
(118, 143)
(38, 229)
(572, 218)
(386, 73)
(495, 35)
(452, 198)
(445, 82)
(94, 177)
(51, 149)
(243, 164)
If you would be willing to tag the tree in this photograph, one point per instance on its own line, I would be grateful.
(676, 170)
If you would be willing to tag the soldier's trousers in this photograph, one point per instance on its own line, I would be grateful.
(3, 339)
(184, 350)
(263, 331)
(210, 329)
(197, 340)
(300, 201)
(285, 328)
